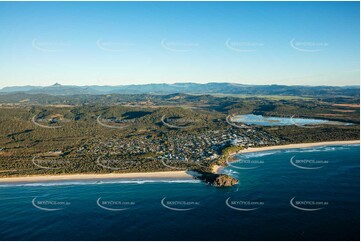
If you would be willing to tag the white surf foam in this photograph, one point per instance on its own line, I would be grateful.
(99, 182)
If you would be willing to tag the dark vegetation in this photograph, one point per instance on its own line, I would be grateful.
(74, 140)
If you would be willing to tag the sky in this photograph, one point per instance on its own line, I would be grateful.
(121, 43)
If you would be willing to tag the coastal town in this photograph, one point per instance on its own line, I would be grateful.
(49, 138)
(178, 149)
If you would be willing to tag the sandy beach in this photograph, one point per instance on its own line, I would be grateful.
(302, 145)
(72, 177)
(217, 168)
(157, 175)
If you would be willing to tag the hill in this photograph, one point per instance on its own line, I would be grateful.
(190, 88)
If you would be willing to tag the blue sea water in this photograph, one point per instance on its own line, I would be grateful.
(296, 194)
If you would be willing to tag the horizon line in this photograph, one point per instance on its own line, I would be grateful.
(175, 83)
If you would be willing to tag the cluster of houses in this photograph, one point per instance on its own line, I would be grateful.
(179, 146)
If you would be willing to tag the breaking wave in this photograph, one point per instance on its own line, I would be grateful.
(296, 150)
(98, 182)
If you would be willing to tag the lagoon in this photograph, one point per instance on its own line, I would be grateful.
(251, 119)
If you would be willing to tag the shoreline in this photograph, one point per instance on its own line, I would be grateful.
(216, 168)
(161, 174)
(297, 146)
(89, 177)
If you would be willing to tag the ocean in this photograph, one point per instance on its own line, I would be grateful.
(295, 194)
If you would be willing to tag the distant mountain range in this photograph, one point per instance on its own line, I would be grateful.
(190, 88)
